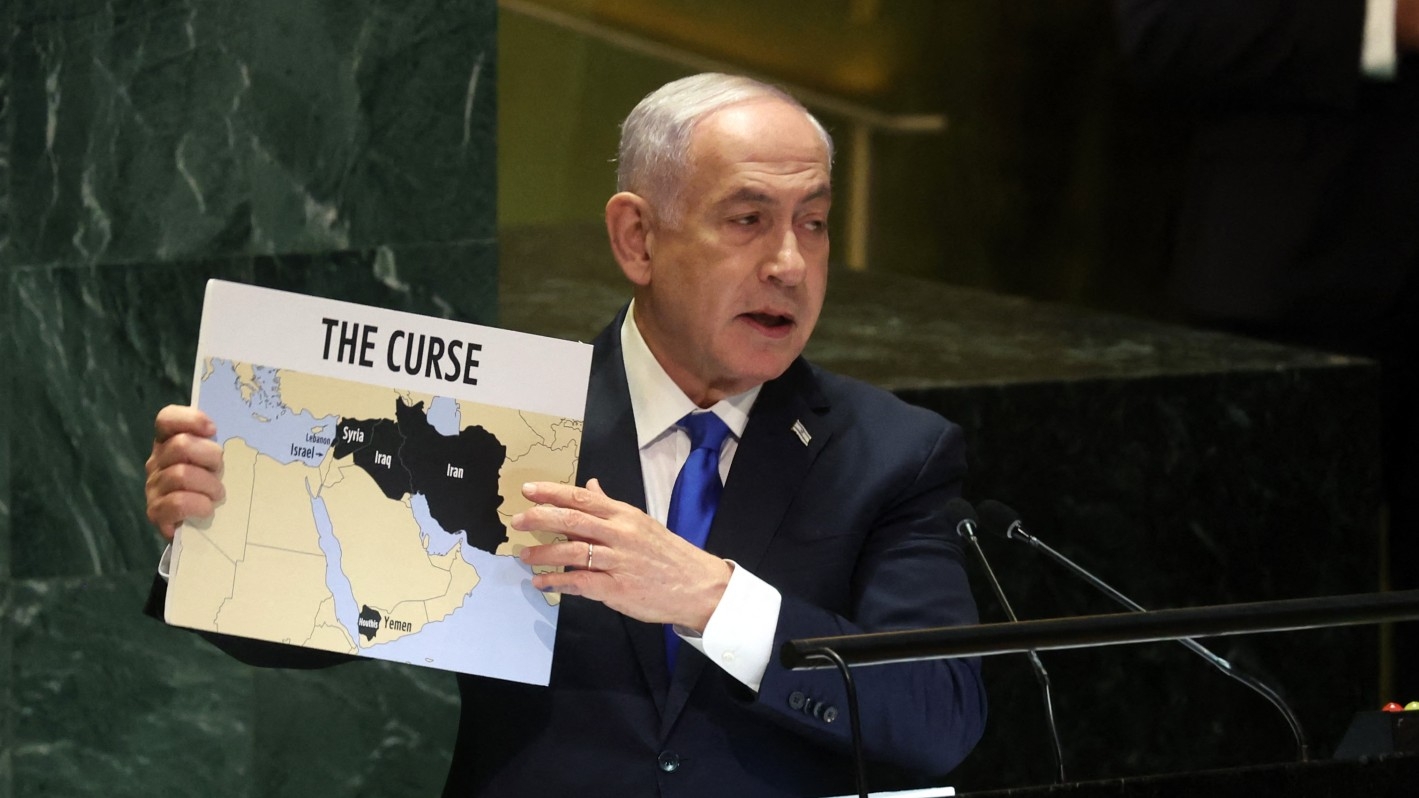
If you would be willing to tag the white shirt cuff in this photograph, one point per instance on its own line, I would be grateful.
(740, 634)
(165, 564)
(1379, 55)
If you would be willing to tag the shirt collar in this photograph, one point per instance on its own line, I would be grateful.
(657, 402)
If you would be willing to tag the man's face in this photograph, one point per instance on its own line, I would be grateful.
(734, 290)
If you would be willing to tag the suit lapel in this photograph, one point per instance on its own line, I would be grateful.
(609, 453)
(770, 464)
(788, 428)
(609, 450)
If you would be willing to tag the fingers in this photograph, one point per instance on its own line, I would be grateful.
(585, 514)
(568, 554)
(584, 563)
(590, 499)
(184, 469)
(166, 512)
(179, 492)
(184, 448)
(637, 566)
(573, 583)
(178, 419)
(185, 478)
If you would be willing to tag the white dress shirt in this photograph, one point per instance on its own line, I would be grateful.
(1379, 54)
(740, 634)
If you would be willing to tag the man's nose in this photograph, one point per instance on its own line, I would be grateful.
(787, 265)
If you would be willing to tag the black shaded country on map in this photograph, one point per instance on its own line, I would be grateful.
(369, 622)
(457, 474)
(375, 444)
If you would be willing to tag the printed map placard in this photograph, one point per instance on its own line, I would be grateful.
(372, 459)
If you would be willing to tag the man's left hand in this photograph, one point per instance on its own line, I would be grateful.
(637, 566)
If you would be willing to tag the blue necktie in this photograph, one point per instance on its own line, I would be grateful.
(696, 494)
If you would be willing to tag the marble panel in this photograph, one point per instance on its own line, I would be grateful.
(98, 350)
(7, 43)
(109, 702)
(7, 423)
(344, 149)
(368, 728)
(181, 129)
(8, 705)
(372, 123)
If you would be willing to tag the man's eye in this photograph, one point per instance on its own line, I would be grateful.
(745, 221)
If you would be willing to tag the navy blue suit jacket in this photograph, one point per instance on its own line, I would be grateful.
(850, 528)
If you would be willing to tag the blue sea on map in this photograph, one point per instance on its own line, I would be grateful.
(489, 615)
(262, 421)
(506, 632)
(436, 539)
(347, 612)
(444, 416)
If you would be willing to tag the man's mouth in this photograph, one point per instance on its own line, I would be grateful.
(770, 320)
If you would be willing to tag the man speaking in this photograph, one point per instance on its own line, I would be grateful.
(732, 496)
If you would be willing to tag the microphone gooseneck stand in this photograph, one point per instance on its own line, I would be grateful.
(1005, 522)
(966, 529)
(859, 762)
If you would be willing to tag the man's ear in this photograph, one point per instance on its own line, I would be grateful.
(628, 225)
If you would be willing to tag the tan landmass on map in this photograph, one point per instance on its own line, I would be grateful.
(381, 551)
(213, 546)
(228, 527)
(246, 380)
(509, 426)
(194, 602)
(409, 617)
(277, 595)
(281, 514)
(328, 634)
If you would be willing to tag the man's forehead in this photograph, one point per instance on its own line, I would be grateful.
(764, 130)
(815, 191)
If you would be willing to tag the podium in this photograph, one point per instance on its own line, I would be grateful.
(846, 651)
(1381, 777)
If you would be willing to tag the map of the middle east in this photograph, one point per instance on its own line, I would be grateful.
(373, 521)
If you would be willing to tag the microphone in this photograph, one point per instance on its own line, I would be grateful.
(1005, 522)
(966, 528)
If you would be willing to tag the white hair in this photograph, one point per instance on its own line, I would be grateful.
(655, 138)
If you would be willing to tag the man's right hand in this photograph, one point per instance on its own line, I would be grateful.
(184, 469)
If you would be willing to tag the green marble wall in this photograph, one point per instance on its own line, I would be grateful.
(344, 148)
